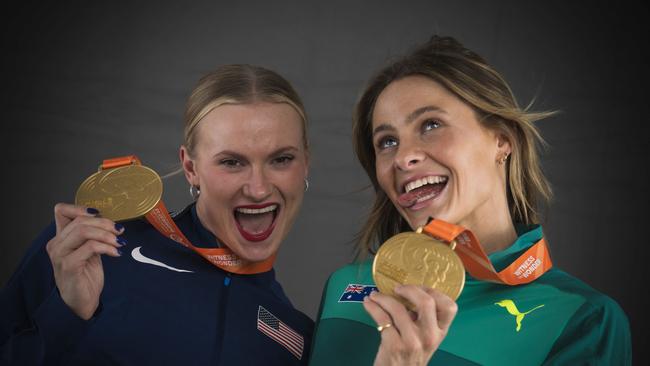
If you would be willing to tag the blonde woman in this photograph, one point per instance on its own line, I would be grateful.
(92, 291)
(441, 136)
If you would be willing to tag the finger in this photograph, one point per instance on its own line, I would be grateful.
(87, 250)
(423, 303)
(399, 314)
(64, 213)
(98, 222)
(446, 308)
(381, 317)
(84, 229)
(62, 244)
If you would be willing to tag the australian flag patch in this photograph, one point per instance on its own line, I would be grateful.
(355, 292)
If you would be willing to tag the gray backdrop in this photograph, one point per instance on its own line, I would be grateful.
(87, 80)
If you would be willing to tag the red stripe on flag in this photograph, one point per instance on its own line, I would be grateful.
(284, 335)
(290, 340)
(292, 345)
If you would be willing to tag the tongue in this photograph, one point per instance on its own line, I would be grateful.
(409, 199)
(254, 223)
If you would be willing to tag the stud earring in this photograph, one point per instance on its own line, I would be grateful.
(503, 159)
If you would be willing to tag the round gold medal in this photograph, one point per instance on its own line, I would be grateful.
(122, 193)
(417, 259)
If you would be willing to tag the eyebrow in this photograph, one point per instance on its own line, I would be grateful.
(241, 156)
(410, 118)
(285, 149)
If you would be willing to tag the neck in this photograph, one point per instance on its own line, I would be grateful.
(495, 232)
(493, 238)
(205, 221)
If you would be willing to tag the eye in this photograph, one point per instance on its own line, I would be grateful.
(230, 163)
(430, 124)
(283, 159)
(386, 142)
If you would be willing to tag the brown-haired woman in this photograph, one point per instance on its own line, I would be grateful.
(91, 291)
(441, 136)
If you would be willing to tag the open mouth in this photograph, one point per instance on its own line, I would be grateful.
(422, 189)
(256, 222)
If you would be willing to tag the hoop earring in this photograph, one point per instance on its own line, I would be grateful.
(306, 184)
(195, 191)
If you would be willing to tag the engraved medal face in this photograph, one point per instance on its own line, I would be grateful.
(417, 259)
(122, 193)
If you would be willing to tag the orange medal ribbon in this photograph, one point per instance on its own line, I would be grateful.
(527, 268)
(159, 218)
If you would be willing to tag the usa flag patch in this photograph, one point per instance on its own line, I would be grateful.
(355, 292)
(275, 329)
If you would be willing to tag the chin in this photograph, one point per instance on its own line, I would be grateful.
(421, 221)
(416, 220)
(256, 252)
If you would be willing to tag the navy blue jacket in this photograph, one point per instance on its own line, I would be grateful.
(187, 313)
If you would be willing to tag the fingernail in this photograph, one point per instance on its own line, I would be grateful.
(92, 211)
(365, 298)
(121, 241)
(119, 252)
(119, 227)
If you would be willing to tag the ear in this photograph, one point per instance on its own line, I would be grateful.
(503, 145)
(189, 167)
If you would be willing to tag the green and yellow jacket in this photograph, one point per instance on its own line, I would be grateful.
(555, 320)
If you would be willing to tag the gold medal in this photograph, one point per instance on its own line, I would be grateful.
(418, 259)
(122, 193)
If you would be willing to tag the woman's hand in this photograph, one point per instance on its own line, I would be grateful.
(412, 337)
(75, 251)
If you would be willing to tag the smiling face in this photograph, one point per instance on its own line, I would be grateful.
(434, 158)
(250, 162)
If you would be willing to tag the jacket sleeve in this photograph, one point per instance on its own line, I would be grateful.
(597, 334)
(36, 326)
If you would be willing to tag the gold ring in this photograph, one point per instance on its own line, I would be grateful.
(382, 327)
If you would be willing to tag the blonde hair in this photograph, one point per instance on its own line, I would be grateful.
(470, 78)
(238, 84)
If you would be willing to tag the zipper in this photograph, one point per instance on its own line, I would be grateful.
(221, 317)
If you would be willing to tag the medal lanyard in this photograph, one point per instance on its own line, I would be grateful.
(159, 218)
(527, 268)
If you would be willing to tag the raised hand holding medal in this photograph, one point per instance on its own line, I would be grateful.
(81, 238)
(428, 259)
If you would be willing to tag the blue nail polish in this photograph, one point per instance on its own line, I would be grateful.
(119, 252)
(119, 227)
(92, 211)
(121, 241)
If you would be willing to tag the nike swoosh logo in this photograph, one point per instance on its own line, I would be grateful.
(135, 253)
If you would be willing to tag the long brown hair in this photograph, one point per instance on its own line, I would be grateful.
(469, 77)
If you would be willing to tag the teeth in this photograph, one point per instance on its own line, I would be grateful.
(422, 199)
(256, 210)
(432, 179)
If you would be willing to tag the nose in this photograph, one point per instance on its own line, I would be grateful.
(408, 156)
(258, 187)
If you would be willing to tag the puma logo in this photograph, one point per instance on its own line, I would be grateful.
(512, 309)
